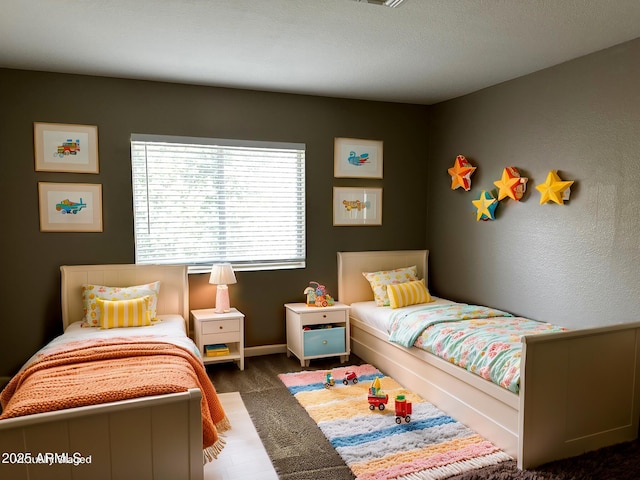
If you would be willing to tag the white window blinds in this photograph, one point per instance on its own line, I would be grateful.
(200, 201)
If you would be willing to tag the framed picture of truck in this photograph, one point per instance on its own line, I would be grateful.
(62, 147)
(70, 207)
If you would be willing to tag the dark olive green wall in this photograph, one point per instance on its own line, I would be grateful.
(30, 296)
(575, 264)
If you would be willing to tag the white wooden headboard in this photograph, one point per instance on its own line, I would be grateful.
(172, 299)
(354, 287)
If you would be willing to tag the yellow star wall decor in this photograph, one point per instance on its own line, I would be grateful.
(554, 189)
(461, 173)
(486, 206)
(511, 184)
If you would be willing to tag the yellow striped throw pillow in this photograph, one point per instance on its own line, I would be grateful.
(125, 313)
(90, 292)
(408, 293)
(380, 280)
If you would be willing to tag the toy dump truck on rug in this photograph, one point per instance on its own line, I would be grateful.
(403, 409)
(377, 398)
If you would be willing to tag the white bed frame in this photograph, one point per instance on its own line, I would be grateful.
(579, 390)
(157, 437)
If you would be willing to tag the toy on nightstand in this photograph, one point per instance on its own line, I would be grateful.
(403, 409)
(317, 295)
(328, 380)
(377, 398)
(350, 375)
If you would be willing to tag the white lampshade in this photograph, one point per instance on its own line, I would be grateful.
(221, 276)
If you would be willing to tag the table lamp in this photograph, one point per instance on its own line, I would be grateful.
(221, 276)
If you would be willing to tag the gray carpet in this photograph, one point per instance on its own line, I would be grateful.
(299, 450)
(295, 444)
(292, 441)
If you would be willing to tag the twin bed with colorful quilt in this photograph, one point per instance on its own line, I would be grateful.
(483, 340)
(540, 391)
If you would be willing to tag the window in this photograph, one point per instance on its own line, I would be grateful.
(199, 201)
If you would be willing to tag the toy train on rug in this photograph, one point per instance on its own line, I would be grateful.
(376, 397)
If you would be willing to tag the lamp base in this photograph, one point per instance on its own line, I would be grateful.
(222, 299)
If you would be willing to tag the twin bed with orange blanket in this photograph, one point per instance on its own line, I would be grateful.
(132, 402)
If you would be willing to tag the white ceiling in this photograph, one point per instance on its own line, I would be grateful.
(424, 51)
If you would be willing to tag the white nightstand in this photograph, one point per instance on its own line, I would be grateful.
(317, 332)
(211, 328)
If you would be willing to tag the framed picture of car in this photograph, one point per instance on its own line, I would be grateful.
(62, 147)
(70, 207)
(355, 206)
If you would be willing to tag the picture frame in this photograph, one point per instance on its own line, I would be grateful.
(357, 158)
(70, 207)
(357, 206)
(60, 147)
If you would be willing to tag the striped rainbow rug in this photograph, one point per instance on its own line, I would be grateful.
(432, 445)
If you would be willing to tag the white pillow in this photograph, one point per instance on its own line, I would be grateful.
(380, 280)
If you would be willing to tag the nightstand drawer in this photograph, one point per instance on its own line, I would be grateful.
(213, 338)
(319, 317)
(221, 326)
(324, 341)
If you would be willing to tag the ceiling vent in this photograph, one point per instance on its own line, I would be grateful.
(384, 3)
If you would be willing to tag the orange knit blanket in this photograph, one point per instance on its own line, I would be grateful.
(90, 372)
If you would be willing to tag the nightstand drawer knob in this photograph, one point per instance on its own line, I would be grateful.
(220, 327)
(324, 342)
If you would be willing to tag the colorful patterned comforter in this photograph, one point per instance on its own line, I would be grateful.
(482, 340)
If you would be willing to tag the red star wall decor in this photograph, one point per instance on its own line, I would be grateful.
(461, 173)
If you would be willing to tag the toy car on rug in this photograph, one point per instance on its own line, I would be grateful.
(328, 380)
(349, 376)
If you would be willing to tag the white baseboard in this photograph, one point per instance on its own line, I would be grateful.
(265, 350)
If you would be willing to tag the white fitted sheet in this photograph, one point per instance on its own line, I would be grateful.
(378, 317)
(169, 325)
